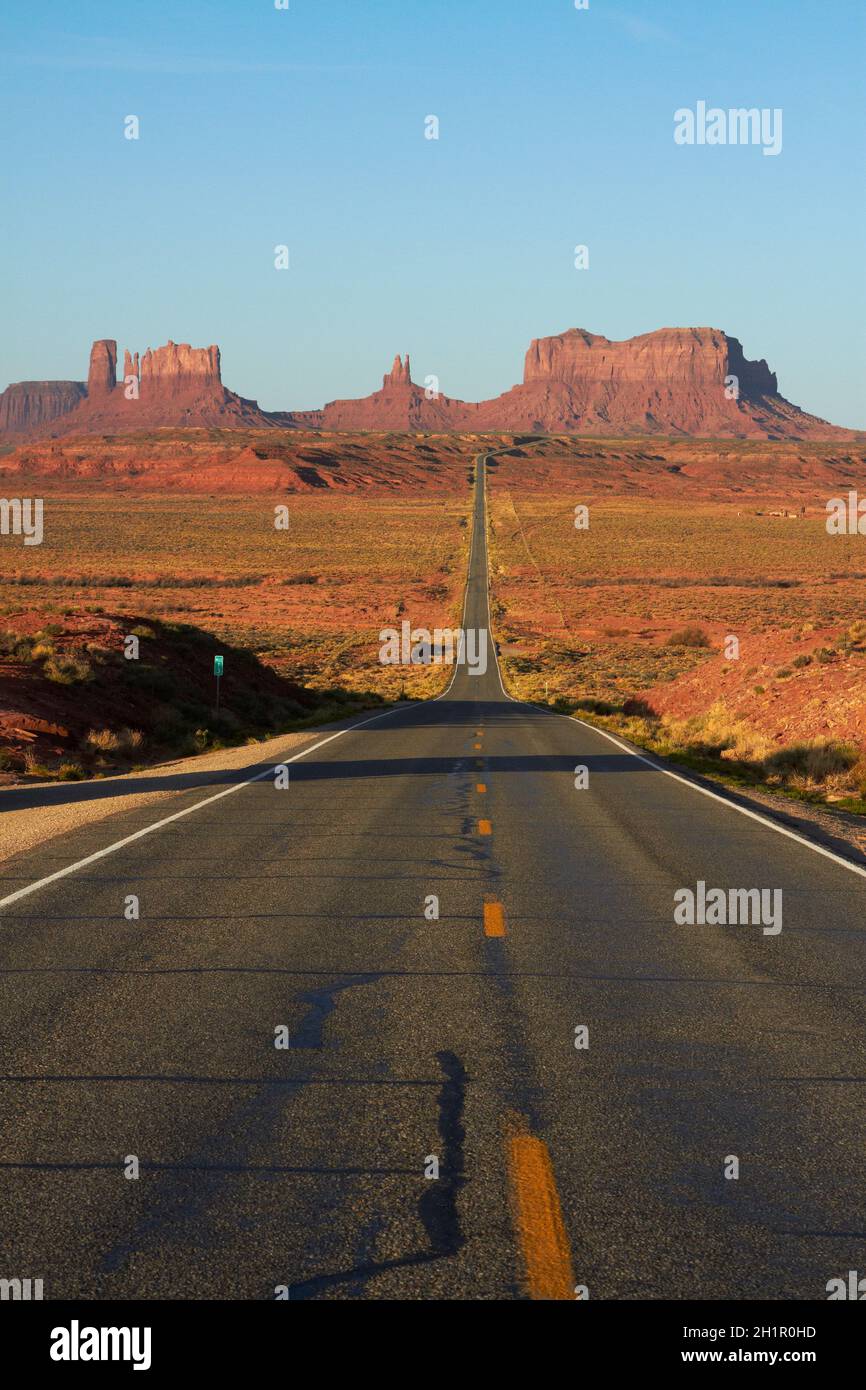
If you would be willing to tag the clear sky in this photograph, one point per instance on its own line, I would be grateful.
(305, 127)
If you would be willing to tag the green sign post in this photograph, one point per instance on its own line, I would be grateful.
(218, 664)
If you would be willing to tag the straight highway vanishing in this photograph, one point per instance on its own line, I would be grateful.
(434, 1021)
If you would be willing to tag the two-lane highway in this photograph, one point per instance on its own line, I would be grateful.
(287, 1045)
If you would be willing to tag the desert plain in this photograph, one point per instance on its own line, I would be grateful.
(685, 592)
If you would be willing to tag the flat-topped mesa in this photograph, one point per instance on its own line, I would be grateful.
(31, 405)
(399, 375)
(178, 369)
(670, 357)
(102, 372)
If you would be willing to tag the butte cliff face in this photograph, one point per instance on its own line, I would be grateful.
(400, 407)
(171, 386)
(675, 381)
(693, 381)
(178, 370)
(102, 372)
(31, 407)
(690, 381)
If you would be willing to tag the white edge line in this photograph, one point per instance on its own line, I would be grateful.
(668, 772)
(187, 811)
(237, 786)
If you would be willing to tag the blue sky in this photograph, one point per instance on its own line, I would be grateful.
(306, 127)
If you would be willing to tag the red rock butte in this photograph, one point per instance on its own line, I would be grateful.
(674, 381)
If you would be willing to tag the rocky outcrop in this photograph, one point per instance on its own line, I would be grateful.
(400, 407)
(399, 375)
(676, 381)
(692, 381)
(687, 381)
(172, 386)
(102, 373)
(29, 406)
(178, 369)
(670, 357)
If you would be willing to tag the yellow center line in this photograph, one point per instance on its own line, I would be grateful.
(538, 1217)
(477, 746)
(485, 827)
(494, 919)
(481, 787)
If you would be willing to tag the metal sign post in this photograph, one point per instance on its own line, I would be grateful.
(218, 670)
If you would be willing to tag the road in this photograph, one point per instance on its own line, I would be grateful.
(304, 1170)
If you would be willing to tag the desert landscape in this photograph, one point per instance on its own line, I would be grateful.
(173, 539)
(161, 489)
(688, 545)
(432, 673)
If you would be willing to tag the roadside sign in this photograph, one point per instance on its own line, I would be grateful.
(218, 665)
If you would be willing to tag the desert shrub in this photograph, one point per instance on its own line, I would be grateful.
(70, 772)
(715, 734)
(13, 645)
(638, 708)
(102, 740)
(33, 767)
(42, 651)
(68, 670)
(783, 673)
(825, 655)
(813, 762)
(802, 660)
(689, 636)
(591, 706)
(115, 740)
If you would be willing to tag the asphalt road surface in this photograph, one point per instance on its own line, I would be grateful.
(302, 915)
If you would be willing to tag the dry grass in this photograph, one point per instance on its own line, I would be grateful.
(309, 601)
(123, 741)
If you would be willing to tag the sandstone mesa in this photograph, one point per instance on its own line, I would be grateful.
(674, 381)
